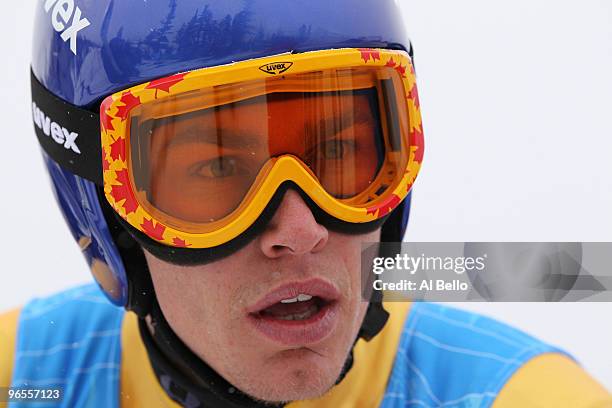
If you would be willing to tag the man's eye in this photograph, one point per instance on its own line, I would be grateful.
(216, 168)
(337, 149)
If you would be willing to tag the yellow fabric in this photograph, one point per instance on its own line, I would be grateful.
(552, 381)
(8, 333)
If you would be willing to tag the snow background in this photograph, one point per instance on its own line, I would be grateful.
(516, 106)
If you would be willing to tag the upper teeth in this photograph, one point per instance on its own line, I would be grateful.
(299, 298)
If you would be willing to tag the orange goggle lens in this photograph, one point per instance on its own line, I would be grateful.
(201, 160)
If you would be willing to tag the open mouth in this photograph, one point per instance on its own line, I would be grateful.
(297, 313)
(302, 307)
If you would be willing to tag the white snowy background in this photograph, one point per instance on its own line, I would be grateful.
(516, 100)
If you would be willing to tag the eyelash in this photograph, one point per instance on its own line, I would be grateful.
(195, 170)
(348, 146)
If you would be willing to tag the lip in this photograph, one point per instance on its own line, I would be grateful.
(296, 333)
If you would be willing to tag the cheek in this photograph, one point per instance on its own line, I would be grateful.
(349, 248)
(192, 300)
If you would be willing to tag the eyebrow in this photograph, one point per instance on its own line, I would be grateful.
(338, 125)
(221, 137)
(343, 121)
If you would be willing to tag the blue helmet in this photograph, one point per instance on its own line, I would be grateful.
(85, 50)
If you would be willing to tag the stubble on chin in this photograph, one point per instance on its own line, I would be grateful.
(301, 382)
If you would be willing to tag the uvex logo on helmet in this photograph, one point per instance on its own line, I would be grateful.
(59, 134)
(63, 13)
(276, 68)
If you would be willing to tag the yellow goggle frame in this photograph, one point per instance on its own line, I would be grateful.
(119, 189)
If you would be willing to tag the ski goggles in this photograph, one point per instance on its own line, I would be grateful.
(192, 160)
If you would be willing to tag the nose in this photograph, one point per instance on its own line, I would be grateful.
(293, 230)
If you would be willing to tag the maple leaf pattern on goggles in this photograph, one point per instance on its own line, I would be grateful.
(192, 160)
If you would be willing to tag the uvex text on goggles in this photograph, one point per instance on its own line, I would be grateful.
(192, 160)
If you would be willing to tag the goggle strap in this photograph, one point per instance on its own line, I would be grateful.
(70, 135)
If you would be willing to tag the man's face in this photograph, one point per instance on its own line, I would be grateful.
(282, 351)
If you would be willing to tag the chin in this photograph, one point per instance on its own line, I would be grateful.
(296, 375)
